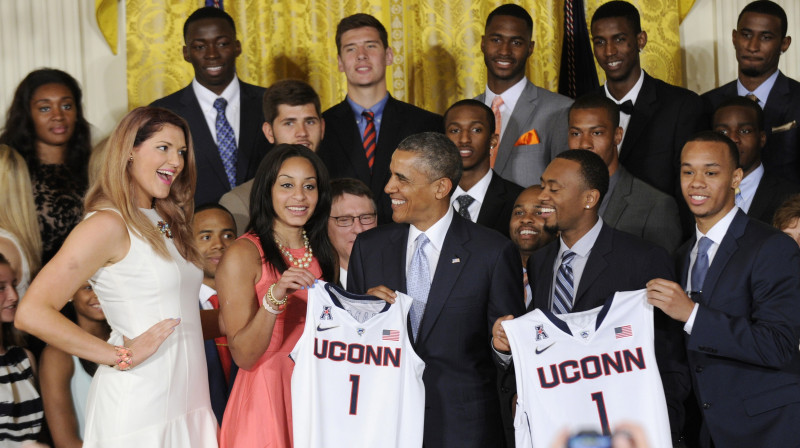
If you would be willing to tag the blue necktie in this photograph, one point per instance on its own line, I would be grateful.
(418, 282)
(700, 267)
(464, 201)
(564, 290)
(226, 141)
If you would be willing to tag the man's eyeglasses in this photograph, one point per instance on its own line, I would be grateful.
(347, 221)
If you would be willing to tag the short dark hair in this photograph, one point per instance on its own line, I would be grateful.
(212, 206)
(598, 101)
(513, 11)
(716, 137)
(740, 101)
(208, 12)
(593, 170)
(292, 92)
(351, 186)
(475, 103)
(440, 156)
(769, 8)
(787, 212)
(356, 21)
(618, 8)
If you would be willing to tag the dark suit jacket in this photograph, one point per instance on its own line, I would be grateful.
(639, 209)
(476, 281)
(219, 390)
(742, 351)
(343, 151)
(782, 153)
(498, 204)
(212, 182)
(664, 117)
(770, 194)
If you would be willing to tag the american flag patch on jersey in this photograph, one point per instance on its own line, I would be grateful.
(623, 331)
(391, 335)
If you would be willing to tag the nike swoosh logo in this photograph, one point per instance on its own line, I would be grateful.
(542, 350)
(320, 328)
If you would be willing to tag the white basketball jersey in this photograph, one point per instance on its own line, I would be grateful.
(357, 381)
(587, 371)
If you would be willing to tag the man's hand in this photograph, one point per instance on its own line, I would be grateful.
(670, 298)
(499, 338)
(382, 292)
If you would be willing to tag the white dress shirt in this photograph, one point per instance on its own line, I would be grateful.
(436, 234)
(343, 277)
(748, 187)
(205, 293)
(582, 249)
(206, 99)
(633, 94)
(478, 192)
(715, 234)
(510, 98)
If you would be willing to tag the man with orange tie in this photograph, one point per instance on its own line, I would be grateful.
(531, 121)
(214, 230)
(362, 132)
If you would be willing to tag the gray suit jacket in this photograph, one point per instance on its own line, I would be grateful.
(547, 113)
(237, 201)
(636, 207)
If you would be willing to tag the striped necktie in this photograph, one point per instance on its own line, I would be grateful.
(564, 292)
(370, 137)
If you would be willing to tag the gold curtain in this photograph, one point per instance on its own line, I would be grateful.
(436, 44)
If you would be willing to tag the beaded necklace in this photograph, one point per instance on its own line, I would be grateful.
(302, 262)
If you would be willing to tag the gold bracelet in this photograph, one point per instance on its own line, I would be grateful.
(270, 309)
(271, 297)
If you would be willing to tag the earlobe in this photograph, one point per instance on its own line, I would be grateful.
(266, 128)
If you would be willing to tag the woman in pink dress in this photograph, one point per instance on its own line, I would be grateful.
(261, 283)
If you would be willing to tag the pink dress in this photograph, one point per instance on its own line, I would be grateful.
(259, 411)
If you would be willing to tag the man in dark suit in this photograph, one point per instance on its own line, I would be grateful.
(759, 40)
(224, 113)
(532, 120)
(467, 274)
(743, 319)
(761, 191)
(363, 130)
(482, 196)
(603, 261)
(656, 117)
(631, 205)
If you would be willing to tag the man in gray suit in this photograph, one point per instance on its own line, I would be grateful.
(631, 205)
(531, 121)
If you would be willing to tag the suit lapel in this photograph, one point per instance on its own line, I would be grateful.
(193, 114)
(645, 104)
(394, 259)
(390, 129)
(760, 199)
(726, 249)
(522, 111)
(685, 258)
(595, 264)
(452, 258)
(619, 198)
(493, 202)
(777, 103)
(249, 125)
(543, 280)
(351, 140)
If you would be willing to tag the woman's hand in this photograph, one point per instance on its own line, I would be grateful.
(293, 279)
(144, 345)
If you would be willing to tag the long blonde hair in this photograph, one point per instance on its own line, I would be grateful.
(17, 210)
(114, 186)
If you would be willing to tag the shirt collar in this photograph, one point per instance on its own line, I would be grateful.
(761, 92)
(749, 185)
(510, 96)
(478, 191)
(632, 94)
(206, 97)
(436, 232)
(583, 246)
(376, 108)
(718, 230)
(206, 292)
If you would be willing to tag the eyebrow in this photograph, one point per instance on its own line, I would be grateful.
(226, 229)
(67, 97)
(706, 165)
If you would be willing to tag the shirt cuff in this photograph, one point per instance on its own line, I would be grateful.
(690, 322)
(504, 358)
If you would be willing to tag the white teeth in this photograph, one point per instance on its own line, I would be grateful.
(296, 209)
(398, 202)
(698, 198)
(615, 63)
(546, 210)
(165, 173)
(528, 232)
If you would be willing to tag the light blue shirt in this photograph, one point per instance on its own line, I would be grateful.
(376, 109)
(748, 187)
(582, 249)
(762, 91)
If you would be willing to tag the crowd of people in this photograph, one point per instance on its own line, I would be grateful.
(153, 288)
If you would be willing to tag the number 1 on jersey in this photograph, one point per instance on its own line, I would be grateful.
(597, 397)
(354, 379)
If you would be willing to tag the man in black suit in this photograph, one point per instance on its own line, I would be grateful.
(363, 131)
(759, 40)
(742, 322)
(656, 117)
(212, 48)
(631, 205)
(473, 277)
(761, 192)
(482, 196)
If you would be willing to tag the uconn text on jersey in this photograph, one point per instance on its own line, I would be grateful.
(357, 353)
(571, 371)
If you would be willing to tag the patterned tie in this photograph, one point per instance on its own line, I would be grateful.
(464, 201)
(225, 357)
(498, 126)
(419, 282)
(700, 267)
(370, 137)
(564, 291)
(226, 141)
(752, 97)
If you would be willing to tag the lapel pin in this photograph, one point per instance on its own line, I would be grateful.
(455, 260)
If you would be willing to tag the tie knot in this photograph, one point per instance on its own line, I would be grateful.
(464, 201)
(626, 107)
(422, 240)
(220, 104)
(566, 257)
(369, 116)
(752, 97)
(497, 102)
(703, 245)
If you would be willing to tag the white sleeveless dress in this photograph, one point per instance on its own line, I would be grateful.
(163, 401)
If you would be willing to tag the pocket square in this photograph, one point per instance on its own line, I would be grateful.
(528, 138)
(784, 127)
